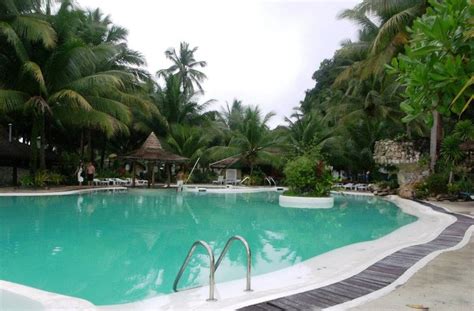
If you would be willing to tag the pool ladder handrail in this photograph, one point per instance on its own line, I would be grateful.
(214, 265)
(212, 268)
(249, 257)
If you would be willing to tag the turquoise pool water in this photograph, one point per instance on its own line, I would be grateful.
(112, 248)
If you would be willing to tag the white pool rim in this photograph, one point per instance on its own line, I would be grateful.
(305, 202)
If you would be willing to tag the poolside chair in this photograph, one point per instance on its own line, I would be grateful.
(121, 182)
(361, 187)
(219, 181)
(100, 182)
(231, 177)
(141, 182)
(348, 186)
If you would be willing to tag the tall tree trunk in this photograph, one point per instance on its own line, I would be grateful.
(102, 153)
(435, 139)
(42, 133)
(251, 173)
(82, 144)
(91, 150)
(34, 147)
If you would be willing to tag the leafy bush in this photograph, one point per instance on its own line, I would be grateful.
(27, 181)
(421, 190)
(199, 177)
(55, 179)
(437, 183)
(308, 177)
(41, 179)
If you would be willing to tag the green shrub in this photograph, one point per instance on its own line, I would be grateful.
(42, 179)
(437, 183)
(55, 179)
(308, 177)
(27, 181)
(421, 190)
(199, 177)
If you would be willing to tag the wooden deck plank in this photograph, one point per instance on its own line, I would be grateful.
(376, 276)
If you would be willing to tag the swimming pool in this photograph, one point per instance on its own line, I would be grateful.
(112, 248)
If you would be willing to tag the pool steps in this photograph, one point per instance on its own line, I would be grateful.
(213, 265)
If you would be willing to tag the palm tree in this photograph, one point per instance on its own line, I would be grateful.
(231, 116)
(252, 141)
(382, 35)
(189, 142)
(21, 23)
(177, 106)
(306, 131)
(54, 82)
(185, 66)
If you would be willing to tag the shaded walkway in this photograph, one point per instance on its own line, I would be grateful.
(376, 276)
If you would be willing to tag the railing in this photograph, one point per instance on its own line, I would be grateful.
(249, 257)
(211, 267)
(214, 265)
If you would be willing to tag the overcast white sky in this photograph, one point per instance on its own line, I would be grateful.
(262, 52)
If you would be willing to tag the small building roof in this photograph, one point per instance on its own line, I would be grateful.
(225, 163)
(153, 151)
(14, 150)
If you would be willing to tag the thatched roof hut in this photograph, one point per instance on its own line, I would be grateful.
(151, 150)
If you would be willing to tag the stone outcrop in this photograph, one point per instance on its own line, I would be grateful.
(390, 152)
(406, 158)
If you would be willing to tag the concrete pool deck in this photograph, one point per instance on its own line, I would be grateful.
(443, 284)
(450, 288)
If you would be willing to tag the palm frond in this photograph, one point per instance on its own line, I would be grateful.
(35, 71)
(35, 30)
(70, 98)
(11, 100)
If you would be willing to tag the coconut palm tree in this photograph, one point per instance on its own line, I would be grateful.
(231, 115)
(21, 23)
(252, 141)
(185, 66)
(382, 35)
(306, 131)
(71, 77)
(187, 141)
(177, 106)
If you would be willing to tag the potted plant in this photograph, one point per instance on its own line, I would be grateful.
(309, 181)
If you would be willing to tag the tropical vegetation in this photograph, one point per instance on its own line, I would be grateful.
(73, 89)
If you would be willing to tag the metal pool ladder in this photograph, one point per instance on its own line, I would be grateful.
(214, 265)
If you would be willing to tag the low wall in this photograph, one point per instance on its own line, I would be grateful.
(6, 175)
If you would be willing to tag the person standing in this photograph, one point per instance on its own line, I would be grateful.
(90, 170)
(180, 180)
(80, 173)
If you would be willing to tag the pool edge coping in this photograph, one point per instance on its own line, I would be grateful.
(61, 193)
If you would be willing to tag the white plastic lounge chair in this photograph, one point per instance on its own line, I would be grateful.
(121, 182)
(361, 187)
(231, 177)
(219, 181)
(141, 182)
(348, 186)
(100, 182)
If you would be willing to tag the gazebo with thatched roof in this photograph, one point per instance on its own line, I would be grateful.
(152, 151)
